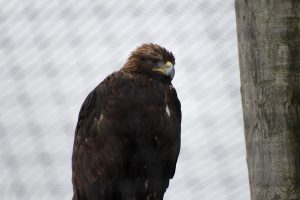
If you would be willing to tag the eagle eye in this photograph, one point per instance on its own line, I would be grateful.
(153, 61)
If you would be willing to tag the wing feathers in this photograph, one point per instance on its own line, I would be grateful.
(124, 139)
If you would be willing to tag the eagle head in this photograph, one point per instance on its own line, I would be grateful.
(151, 60)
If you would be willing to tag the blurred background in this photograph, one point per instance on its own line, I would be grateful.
(53, 53)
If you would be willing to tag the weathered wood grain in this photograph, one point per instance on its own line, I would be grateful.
(269, 56)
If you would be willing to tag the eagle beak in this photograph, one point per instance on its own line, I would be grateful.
(166, 69)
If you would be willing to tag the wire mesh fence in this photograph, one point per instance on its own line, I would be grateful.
(52, 53)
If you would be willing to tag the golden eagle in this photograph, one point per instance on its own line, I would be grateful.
(127, 138)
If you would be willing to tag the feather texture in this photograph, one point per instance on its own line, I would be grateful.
(126, 146)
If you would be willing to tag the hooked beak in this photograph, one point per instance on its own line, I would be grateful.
(166, 69)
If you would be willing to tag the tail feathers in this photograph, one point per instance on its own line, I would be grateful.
(95, 193)
(122, 191)
(149, 196)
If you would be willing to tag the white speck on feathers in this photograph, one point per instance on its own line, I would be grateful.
(168, 110)
(130, 75)
(86, 139)
(146, 184)
(98, 121)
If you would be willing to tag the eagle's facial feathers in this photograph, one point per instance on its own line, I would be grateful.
(166, 69)
(151, 60)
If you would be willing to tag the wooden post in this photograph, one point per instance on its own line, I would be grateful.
(269, 57)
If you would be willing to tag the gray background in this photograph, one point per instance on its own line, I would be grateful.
(52, 53)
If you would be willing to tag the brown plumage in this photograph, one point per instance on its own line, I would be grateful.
(127, 138)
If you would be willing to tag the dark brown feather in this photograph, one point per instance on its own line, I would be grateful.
(127, 138)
